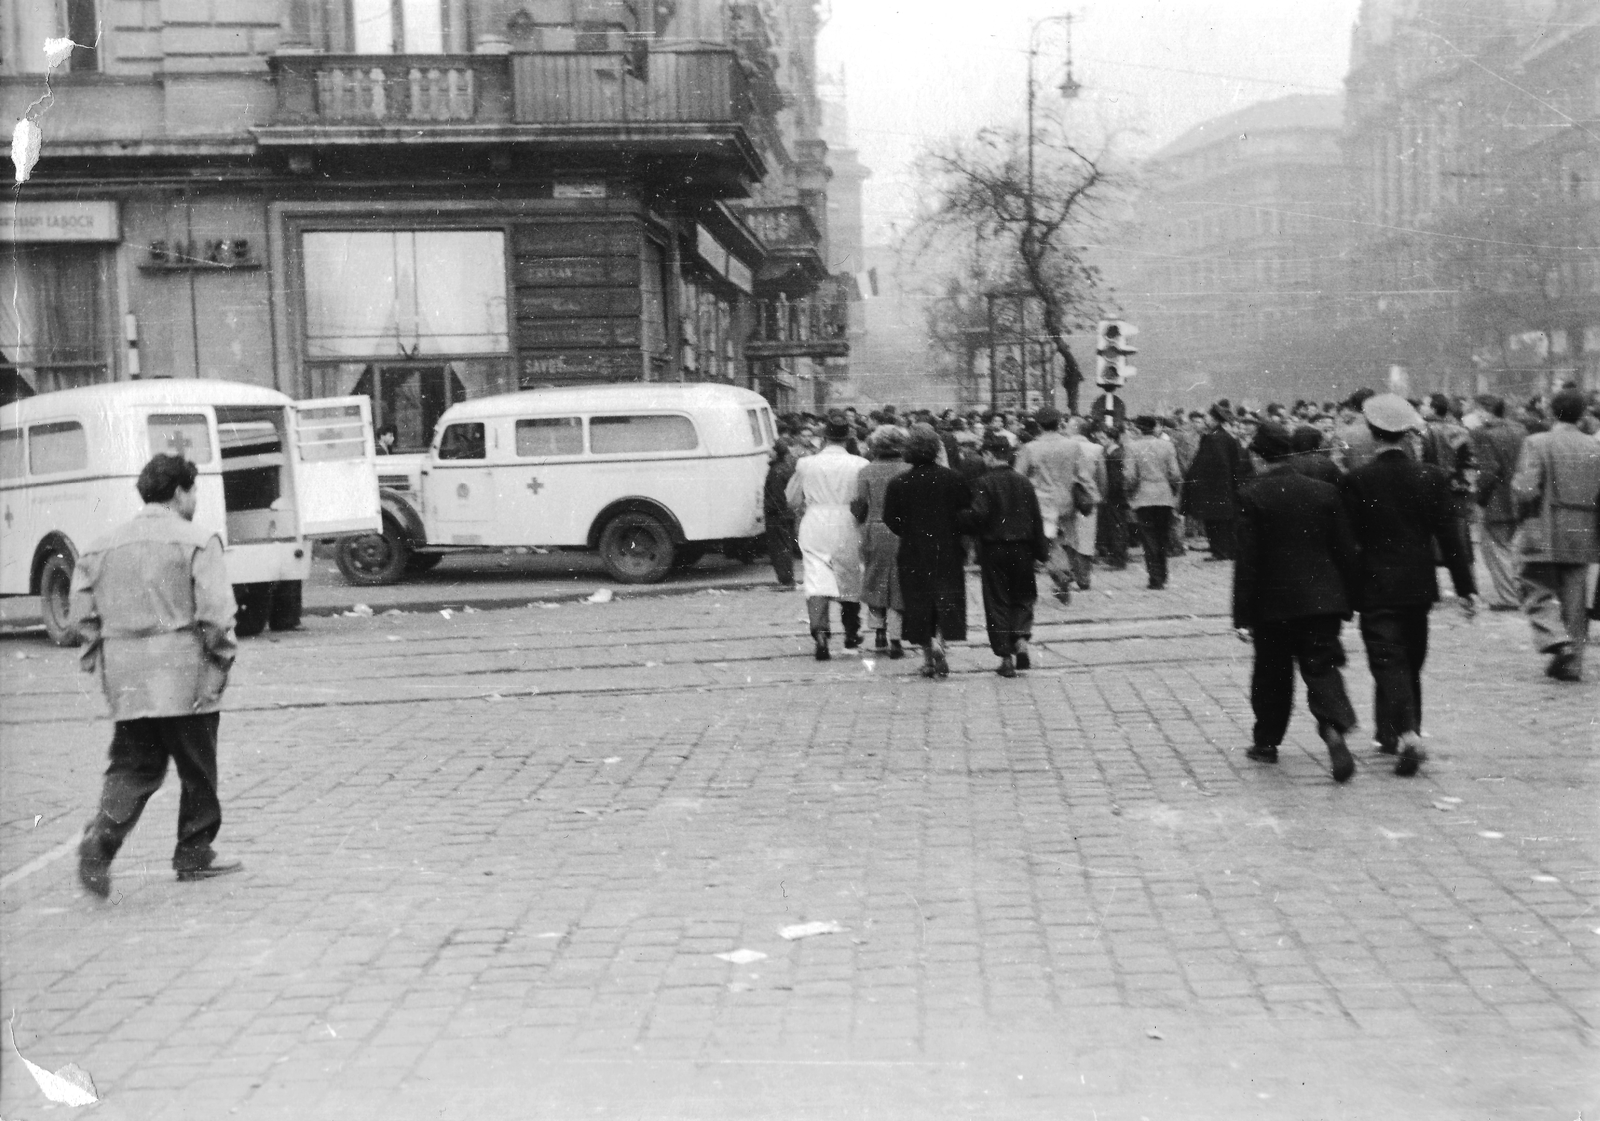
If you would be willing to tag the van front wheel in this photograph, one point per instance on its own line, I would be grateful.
(55, 600)
(636, 549)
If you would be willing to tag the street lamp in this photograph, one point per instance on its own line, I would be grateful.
(1069, 90)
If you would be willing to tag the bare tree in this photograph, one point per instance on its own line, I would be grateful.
(1027, 220)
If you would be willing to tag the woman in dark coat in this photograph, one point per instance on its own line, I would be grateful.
(922, 507)
(1211, 485)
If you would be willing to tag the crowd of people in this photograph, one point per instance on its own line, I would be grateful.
(1326, 509)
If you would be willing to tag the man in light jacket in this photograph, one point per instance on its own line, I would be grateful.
(154, 607)
(1053, 463)
(1152, 479)
(1557, 488)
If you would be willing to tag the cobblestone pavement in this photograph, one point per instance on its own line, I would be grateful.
(491, 860)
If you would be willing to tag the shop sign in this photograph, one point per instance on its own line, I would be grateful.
(570, 366)
(60, 221)
(722, 262)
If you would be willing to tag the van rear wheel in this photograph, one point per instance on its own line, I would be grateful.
(55, 599)
(374, 558)
(636, 549)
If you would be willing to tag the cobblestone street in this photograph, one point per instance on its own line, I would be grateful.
(491, 859)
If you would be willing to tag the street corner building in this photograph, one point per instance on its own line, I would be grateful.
(421, 201)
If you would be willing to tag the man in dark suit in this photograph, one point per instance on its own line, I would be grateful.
(1312, 458)
(1398, 509)
(1296, 552)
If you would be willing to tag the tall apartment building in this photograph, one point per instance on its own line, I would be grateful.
(420, 200)
(1238, 242)
(1473, 133)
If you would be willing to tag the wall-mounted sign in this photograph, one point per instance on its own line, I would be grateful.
(722, 262)
(578, 366)
(59, 221)
(579, 189)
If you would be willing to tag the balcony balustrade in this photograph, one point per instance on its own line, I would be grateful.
(783, 228)
(391, 89)
(637, 87)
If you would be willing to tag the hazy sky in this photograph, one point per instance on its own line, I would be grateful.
(919, 71)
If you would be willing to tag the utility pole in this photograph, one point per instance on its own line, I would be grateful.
(1069, 90)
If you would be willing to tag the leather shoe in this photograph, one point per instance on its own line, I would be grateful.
(1564, 666)
(1411, 755)
(852, 639)
(896, 651)
(1023, 660)
(94, 870)
(1008, 667)
(1262, 753)
(217, 867)
(1339, 757)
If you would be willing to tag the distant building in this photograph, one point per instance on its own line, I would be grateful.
(1473, 133)
(1240, 233)
(418, 200)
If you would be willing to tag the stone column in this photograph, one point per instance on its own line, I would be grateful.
(297, 34)
(489, 19)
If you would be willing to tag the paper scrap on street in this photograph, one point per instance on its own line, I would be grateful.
(1153, 1033)
(362, 610)
(742, 957)
(71, 1085)
(808, 929)
(601, 595)
(447, 613)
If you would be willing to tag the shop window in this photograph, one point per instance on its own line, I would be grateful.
(463, 441)
(184, 434)
(625, 435)
(405, 293)
(11, 453)
(57, 448)
(53, 319)
(550, 436)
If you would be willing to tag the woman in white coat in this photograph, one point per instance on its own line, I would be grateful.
(820, 492)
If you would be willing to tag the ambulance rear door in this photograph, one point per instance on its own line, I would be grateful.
(335, 467)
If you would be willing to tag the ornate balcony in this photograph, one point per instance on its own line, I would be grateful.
(794, 264)
(812, 326)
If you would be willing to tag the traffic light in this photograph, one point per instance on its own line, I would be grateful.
(1113, 349)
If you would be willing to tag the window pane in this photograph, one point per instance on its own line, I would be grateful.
(330, 432)
(185, 434)
(614, 435)
(550, 436)
(404, 293)
(52, 319)
(53, 448)
(462, 441)
(11, 454)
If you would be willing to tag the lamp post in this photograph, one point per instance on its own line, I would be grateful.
(1069, 90)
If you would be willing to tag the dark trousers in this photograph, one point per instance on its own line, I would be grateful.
(1219, 532)
(1112, 534)
(1314, 643)
(1397, 646)
(1155, 529)
(1009, 592)
(817, 614)
(139, 753)
(780, 549)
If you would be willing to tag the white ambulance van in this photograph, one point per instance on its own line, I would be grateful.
(275, 474)
(650, 475)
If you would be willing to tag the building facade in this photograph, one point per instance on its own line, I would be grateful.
(1473, 139)
(1237, 243)
(419, 200)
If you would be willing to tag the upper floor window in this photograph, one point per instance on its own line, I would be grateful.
(31, 22)
(407, 26)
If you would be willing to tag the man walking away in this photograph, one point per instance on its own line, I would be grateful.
(1211, 487)
(1296, 552)
(880, 576)
(1006, 520)
(1400, 509)
(153, 605)
(1496, 447)
(1055, 464)
(830, 543)
(1153, 481)
(1557, 486)
(923, 508)
(779, 518)
(1312, 457)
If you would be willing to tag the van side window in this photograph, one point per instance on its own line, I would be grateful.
(756, 434)
(621, 435)
(462, 441)
(184, 434)
(550, 435)
(58, 447)
(11, 453)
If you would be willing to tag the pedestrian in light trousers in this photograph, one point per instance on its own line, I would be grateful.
(1557, 487)
(1152, 479)
(1496, 449)
(155, 610)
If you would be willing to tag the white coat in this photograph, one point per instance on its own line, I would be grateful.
(820, 490)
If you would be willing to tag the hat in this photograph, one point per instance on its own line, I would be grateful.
(1220, 412)
(1389, 412)
(1147, 424)
(838, 427)
(1048, 417)
(1271, 441)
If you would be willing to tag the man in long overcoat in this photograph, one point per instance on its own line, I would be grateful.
(1557, 485)
(823, 485)
(1296, 554)
(880, 575)
(152, 602)
(1053, 463)
(924, 508)
(1211, 485)
(1496, 448)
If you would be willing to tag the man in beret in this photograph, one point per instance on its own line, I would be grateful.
(1296, 555)
(1400, 511)
(152, 602)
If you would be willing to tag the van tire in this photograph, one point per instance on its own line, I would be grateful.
(636, 549)
(255, 607)
(55, 599)
(285, 613)
(375, 558)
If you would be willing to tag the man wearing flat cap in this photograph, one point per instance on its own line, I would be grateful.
(1296, 554)
(1399, 509)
